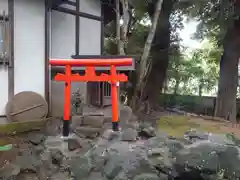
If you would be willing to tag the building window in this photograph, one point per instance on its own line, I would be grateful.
(4, 38)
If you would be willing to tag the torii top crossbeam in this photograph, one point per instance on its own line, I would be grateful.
(90, 76)
(91, 62)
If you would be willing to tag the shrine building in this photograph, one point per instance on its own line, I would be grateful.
(34, 31)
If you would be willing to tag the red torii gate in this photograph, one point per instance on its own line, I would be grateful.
(90, 76)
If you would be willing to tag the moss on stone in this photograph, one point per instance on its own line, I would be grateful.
(23, 126)
(178, 125)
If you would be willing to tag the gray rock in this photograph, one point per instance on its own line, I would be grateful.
(81, 167)
(38, 149)
(230, 162)
(113, 167)
(133, 118)
(161, 158)
(206, 156)
(193, 136)
(46, 157)
(53, 127)
(146, 131)
(201, 157)
(125, 115)
(60, 176)
(73, 144)
(156, 142)
(93, 121)
(53, 142)
(88, 132)
(9, 171)
(125, 161)
(113, 157)
(220, 139)
(162, 176)
(111, 135)
(76, 121)
(36, 138)
(28, 161)
(47, 168)
(174, 146)
(96, 176)
(129, 134)
(27, 176)
(146, 176)
(96, 157)
(46, 171)
(57, 156)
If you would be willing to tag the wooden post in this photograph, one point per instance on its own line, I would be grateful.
(67, 101)
(114, 96)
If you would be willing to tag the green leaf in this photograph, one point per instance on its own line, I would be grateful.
(7, 147)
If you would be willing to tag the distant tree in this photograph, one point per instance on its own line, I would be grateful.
(196, 74)
(220, 20)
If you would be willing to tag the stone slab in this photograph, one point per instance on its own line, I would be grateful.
(93, 121)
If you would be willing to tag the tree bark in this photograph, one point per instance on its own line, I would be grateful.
(160, 56)
(226, 100)
(144, 66)
(148, 44)
(126, 19)
(121, 36)
(200, 89)
(176, 86)
(228, 80)
(118, 27)
(165, 86)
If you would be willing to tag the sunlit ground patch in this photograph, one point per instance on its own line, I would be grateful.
(177, 125)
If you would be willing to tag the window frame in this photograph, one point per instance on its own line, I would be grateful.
(5, 39)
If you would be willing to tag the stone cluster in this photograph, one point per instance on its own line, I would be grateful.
(137, 152)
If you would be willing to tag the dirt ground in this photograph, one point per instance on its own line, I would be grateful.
(9, 156)
(225, 127)
(175, 124)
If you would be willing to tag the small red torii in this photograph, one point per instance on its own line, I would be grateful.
(90, 76)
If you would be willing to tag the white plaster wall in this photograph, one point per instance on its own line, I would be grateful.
(90, 30)
(62, 35)
(63, 45)
(3, 71)
(63, 32)
(90, 37)
(29, 46)
(57, 95)
(91, 7)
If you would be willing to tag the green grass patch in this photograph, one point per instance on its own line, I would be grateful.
(177, 125)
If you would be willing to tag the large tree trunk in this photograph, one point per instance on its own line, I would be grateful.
(160, 56)
(228, 81)
(226, 100)
(176, 86)
(118, 29)
(165, 86)
(121, 33)
(200, 89)
(145, 65)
